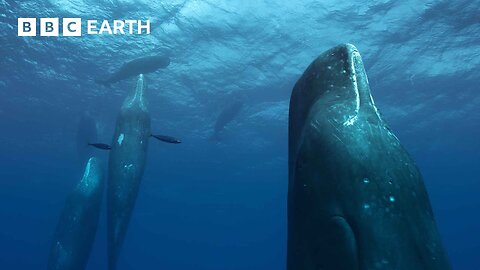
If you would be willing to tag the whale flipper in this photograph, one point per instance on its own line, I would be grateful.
(77, 226)
(356, 199)
(126, 166)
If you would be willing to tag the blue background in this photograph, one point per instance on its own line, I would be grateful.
(208, 205)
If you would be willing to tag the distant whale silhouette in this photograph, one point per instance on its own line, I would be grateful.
(226, 116)
(136, 67)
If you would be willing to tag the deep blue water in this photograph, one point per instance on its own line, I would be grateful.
(206, 205)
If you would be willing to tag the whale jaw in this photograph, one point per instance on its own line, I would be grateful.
(137, 99)
(335, 85)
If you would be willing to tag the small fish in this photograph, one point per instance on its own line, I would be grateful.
(102, 146)
(166, 139)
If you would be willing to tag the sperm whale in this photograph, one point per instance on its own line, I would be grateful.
(77, 225)
(143, 65)
(356, 199)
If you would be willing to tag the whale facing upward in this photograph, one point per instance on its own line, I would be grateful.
(226, 116)
(136, 67)
(126, 165)
(77, 226)
(356, 199)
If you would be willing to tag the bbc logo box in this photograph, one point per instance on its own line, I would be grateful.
(49, 27)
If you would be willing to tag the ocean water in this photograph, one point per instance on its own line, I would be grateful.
(212, 205)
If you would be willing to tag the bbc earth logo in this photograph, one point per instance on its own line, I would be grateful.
(72, 27)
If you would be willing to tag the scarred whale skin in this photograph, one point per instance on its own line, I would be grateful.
(135, 67)
(77, 226)
(356, 199)
(126, 165)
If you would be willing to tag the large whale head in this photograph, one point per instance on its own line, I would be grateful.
(356, 198)
(335, 84)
